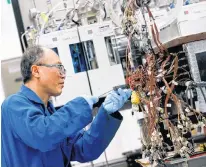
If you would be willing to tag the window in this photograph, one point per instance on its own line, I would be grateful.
(90, 55)
(112, 50)
(78, 58)
(201, 61)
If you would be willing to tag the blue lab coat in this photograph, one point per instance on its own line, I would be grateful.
(37, 136)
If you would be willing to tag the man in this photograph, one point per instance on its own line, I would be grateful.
(34, 134)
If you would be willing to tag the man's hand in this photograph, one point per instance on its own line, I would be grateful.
(115, 100)
(91, 100)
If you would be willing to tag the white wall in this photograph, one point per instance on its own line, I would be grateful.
(10, 40)
(10, 45)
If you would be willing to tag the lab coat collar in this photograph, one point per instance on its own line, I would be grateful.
(31, 95)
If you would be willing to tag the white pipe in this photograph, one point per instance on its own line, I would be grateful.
(63, 19)
(175, 12)
(59, 10)
(50, 12)
(37, 21)
(113, 16)
(22, 39)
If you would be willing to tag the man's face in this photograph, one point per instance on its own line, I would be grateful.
(51, 78)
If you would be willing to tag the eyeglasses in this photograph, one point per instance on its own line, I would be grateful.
(60, 67)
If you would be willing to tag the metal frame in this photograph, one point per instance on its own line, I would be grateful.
(192, 49)
(19, 21)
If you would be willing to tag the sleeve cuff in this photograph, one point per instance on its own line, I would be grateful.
(117, 115)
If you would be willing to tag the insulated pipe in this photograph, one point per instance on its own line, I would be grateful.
(50, 12)
(22, 39)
